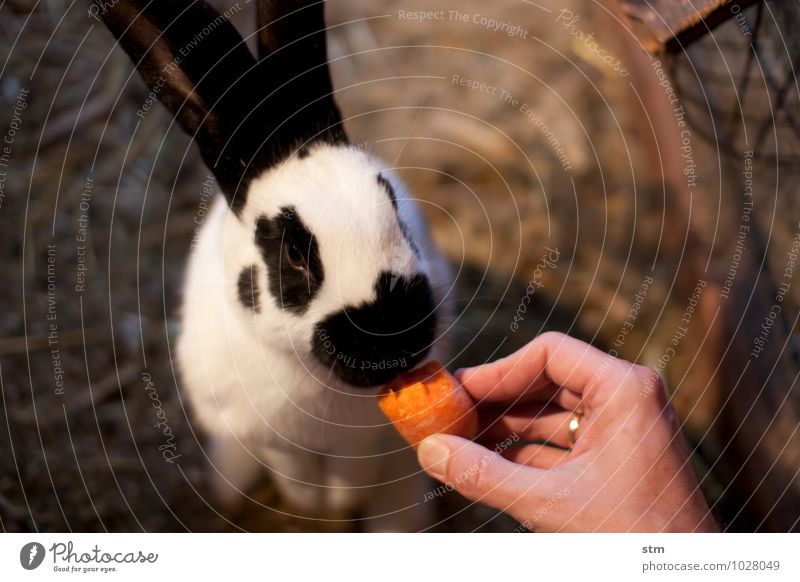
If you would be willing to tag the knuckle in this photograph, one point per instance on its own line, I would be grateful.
(651, 383)
(671, 416)
(551, 337)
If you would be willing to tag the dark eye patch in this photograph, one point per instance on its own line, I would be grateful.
(291, 288)
(248, 290)
(382, 181)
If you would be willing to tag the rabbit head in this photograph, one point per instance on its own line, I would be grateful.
(323, 251)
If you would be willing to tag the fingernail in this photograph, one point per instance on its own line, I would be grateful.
(433, 454)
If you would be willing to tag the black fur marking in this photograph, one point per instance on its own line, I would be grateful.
(409, 238)
(292, 45)
(248, 288)
(246, 115)
(383, 182)
(291, 288)
(303, 152)
(370, 344)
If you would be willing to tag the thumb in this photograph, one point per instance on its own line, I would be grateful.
(480, 474)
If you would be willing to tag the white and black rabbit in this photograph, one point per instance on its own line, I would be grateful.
(313, 279)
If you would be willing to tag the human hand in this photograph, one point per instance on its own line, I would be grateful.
(627, 471)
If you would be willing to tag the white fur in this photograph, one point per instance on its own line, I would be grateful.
(250, 377)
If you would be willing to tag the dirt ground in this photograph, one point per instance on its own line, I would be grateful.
(518, 139)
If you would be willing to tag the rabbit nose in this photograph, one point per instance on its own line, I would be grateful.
(369, 344)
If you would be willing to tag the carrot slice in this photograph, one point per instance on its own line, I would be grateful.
(427, 401)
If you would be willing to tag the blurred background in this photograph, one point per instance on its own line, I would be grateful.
(664, 185)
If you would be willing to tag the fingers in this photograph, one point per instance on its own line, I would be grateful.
(550, 359)
(482, 475)
(531, 422)
(540, 456)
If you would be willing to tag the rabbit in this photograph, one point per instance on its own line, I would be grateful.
(313, 280)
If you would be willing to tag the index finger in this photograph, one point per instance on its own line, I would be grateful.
(551, 359)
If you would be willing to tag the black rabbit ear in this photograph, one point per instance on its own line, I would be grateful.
(196, 63)
(291, 43)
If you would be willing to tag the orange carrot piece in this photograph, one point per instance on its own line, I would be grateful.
(427, 401)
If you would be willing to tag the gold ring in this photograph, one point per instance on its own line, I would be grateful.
(574, 425)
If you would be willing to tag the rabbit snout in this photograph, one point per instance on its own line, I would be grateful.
(370, 344)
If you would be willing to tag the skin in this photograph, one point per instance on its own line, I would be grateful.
(628, 470)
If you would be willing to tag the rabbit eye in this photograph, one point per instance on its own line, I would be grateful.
(295, 257)
(291, 255)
